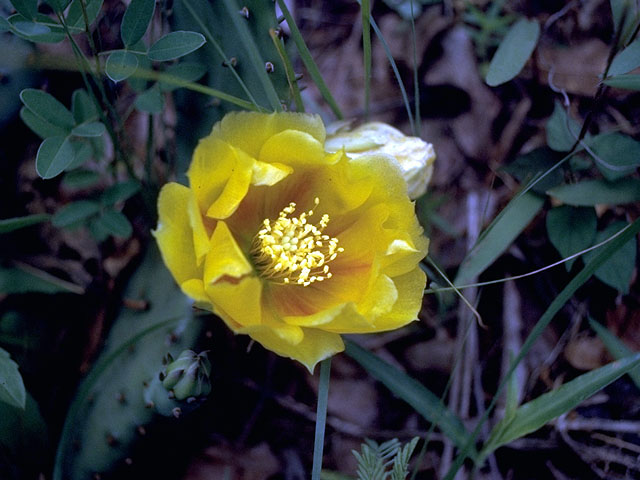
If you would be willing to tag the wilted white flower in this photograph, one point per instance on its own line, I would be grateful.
(414, 155)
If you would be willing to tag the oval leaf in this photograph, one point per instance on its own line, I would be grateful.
(73, 213)
(75, 18)
(91, 129)
(136, 20)
(562, 130)
(121, 64)
(11, 224)
(616, 347)
(571, 229)
(175, 45)
(513, 52)
(627, 82)
(44, 32)
(27, 8)
(47, 108)
(618, 269)
(54, 155)
(589, 193)
(82, 107)
(12, 389)
(626, 60)
(120, 192)
(185, 71)
(116, 224)
(150, 101)
(79, 179)
(39, 126)
(618, 154)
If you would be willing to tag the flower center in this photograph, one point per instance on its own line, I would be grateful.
(292, 250)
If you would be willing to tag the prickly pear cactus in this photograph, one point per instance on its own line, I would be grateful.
(130, 384)
(198, 114)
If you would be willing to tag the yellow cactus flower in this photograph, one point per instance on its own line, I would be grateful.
(414, 155)
(288, 243)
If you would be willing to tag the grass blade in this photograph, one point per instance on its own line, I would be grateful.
(365, 15)
(499, 235)
(533, 415)
(414, 393)
(308, 61)
(291, 75)
(615, 347)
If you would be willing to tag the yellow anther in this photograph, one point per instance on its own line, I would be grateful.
(294, 251)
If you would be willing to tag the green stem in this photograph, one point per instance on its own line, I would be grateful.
(365, 10)
(321, 417)
(288, 69)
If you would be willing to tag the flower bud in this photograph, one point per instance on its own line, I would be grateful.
(414, 155)
(188, 375)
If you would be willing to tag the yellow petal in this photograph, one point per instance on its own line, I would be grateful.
(201, 241)
(212, 165)
(343, 318)
(235, 189)
(174, 234)
(315, 346)
(410, 288)
(239, 301)
(292, 147)
(379, 298)
(249, 130)
(225, 257)
(269, 173)
(194, 289)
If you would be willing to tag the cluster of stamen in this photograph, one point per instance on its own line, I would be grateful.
(292, 250)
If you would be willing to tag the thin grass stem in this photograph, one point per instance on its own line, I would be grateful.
(365, 13)
(288, 69)
(321, 417)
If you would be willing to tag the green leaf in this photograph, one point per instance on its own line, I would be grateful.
(47, 108)
(11, 224)
(120, 65)
(513, 52)
(595, 192)
(75, 213)
(120, 192)
(619, 154)
(27, 8)
(31, 29)
(75, 18)
(616, 347)
(45, 31)
(571, 229)
(187, 71)
(22, 432)
(40, 127)
(12, 389)
(629, 9)
(415, 394)
(91, 129)
(602, 255)
(136, 20)
(5, 26)
(80, 179)
(533, 415)
(618, 269)
(26, 279)
(626, 82)
(562, 130)
(627, 60)
(83, 152)
(115, 223)
(499, 235)
(175, 45)
(83, 107)
(151, 101)
(537, 162)
(54, 155)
